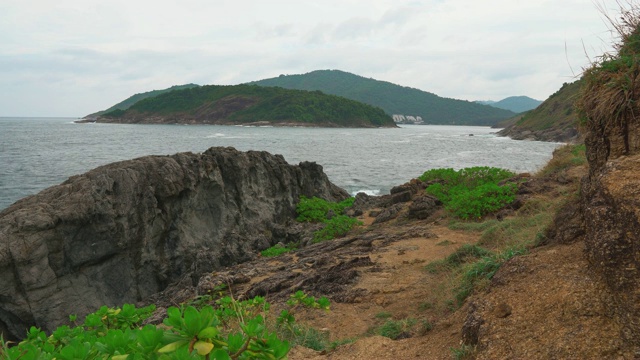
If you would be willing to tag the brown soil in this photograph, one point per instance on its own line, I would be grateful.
(543, 305)
(551, 302)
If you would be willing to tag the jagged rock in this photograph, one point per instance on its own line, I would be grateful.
(502, 310)
(124, 231)
(568, 224)
(471, 326)
(389, 213)
(610, 196)
(401, 197)
(423, 207)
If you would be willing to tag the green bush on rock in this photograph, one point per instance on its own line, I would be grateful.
(319, 210)
(471, 193)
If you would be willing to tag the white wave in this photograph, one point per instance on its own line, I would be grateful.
(216, 135)
(370, 192)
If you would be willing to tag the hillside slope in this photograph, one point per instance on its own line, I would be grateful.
(392, 98)
(128, 102)
(517, 104)
(554, 120)
(250, 105)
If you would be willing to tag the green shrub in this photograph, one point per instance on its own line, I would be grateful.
(481, 200)
(337, 226)
(391, 329)
(471, 192)
(277, 250)
(317, 210)
(229, 330)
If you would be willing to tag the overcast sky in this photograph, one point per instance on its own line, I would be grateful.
(75, 57)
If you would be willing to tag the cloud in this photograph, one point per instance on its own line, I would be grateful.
(72, 57)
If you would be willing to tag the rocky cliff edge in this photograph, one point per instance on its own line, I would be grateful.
(124, 231)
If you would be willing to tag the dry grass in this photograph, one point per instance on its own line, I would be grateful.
(608, 98)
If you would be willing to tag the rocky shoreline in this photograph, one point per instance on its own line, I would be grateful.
(125, 231)
(165, 230)
(565, 135)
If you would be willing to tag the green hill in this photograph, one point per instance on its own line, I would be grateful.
(393, 99)
(517, 104)
(553, 120)
(250, 104)
(125, 104)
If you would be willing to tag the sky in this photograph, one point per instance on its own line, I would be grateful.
(69, 58)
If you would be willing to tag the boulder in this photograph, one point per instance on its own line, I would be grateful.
(122, 232)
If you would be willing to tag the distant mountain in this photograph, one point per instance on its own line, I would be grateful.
(125, 104)
(249, 105)
(517, 104)
(553, 120)
(393, 99)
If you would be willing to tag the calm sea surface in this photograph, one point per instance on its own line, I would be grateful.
(36, 153)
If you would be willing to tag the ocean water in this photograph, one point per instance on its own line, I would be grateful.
(36, 153)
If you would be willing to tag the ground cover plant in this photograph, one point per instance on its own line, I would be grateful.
(229, 329)
(471, 267)
(329, 213)
(277, 250)
(471, 193)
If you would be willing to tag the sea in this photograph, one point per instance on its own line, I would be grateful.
(36, 153)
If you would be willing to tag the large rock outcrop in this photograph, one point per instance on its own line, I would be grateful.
(125, 231)
(611, 192)
(611, 210)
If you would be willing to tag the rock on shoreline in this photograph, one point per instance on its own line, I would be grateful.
(124, 231)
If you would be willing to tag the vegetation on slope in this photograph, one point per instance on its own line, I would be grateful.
(240, 104)
(393, 99)
(128, 102)
(221, 328)
(471, 193)
(554, 120)
(611, 86)
(517, 104)
(472, 266)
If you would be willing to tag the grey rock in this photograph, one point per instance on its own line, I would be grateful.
(124, 231)
(423, 207)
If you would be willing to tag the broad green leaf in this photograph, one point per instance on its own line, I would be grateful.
(219, 354)
(208, 333)
(173, 346)
(203, 347)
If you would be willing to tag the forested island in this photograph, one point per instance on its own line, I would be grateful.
(393, 99)
(249, 105)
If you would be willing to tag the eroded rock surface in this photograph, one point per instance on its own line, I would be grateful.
(611, 209)
(125, 231)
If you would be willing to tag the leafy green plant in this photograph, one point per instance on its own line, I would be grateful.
(298, 334)
(337, 226)
(481, 200)
(315, 209)
(277, 250)
(299, 298)
(318, 210)
(230, 329)
(471, 193)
